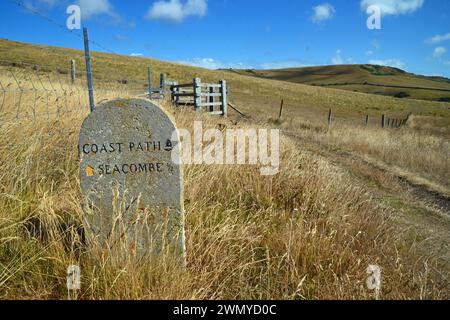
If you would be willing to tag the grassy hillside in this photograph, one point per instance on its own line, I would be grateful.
(256, 96)
(346, 196)
(363, 78)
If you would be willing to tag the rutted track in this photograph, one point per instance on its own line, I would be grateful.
(423, 196)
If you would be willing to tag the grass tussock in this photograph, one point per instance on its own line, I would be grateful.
(306, 233)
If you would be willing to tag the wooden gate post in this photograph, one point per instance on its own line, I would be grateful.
(224, 97)
(197, 94)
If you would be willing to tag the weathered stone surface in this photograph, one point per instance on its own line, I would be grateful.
(132, 189)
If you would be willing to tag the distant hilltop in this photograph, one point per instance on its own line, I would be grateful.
(365, 78)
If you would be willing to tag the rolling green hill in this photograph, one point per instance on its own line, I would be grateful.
(363, 78)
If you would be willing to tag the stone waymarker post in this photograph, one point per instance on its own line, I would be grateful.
(128, 178)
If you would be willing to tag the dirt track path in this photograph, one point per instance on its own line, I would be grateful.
(422, 212)
(411, 192)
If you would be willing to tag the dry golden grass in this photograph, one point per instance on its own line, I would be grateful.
(306, 233)
(419, 154)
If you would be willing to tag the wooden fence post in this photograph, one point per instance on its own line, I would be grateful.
(281, 110)
(367, 120)
(224, 97)
(330, 117)
(149, 76)
(87, 56)
(162, 84)
(73, 71)
(383, 118)
(197, 94)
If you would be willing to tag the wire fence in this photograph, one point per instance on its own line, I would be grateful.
(31, 92)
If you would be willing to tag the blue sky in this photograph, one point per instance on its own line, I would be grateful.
(414, 34)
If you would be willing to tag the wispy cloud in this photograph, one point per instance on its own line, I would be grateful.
(323, 13)
(91, 8)
(176, 11)
(438, 38)
(210, 63)
(396, 63)
(36, 5)
(439, 52)
(337, 59)
(136, 54)
(394, 7)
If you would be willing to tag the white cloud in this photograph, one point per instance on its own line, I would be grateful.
(396, 63)
(394, 7)
(439, 52)
(439, 38)
(136, 54)
(210, 63)
(90, 8)
(337, 59)
(369, 53)
(323, 13)
(176, 11)
(37, 5)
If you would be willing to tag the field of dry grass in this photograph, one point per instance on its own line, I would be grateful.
(306, 233)
(309, 232)
(417, 153)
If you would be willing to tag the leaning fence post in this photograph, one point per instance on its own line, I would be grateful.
(73, 71)
(224, 97)
(330, 117)
(367, 120)
(383, 123)
(197, 94)
(87, 55)
(281, 110)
